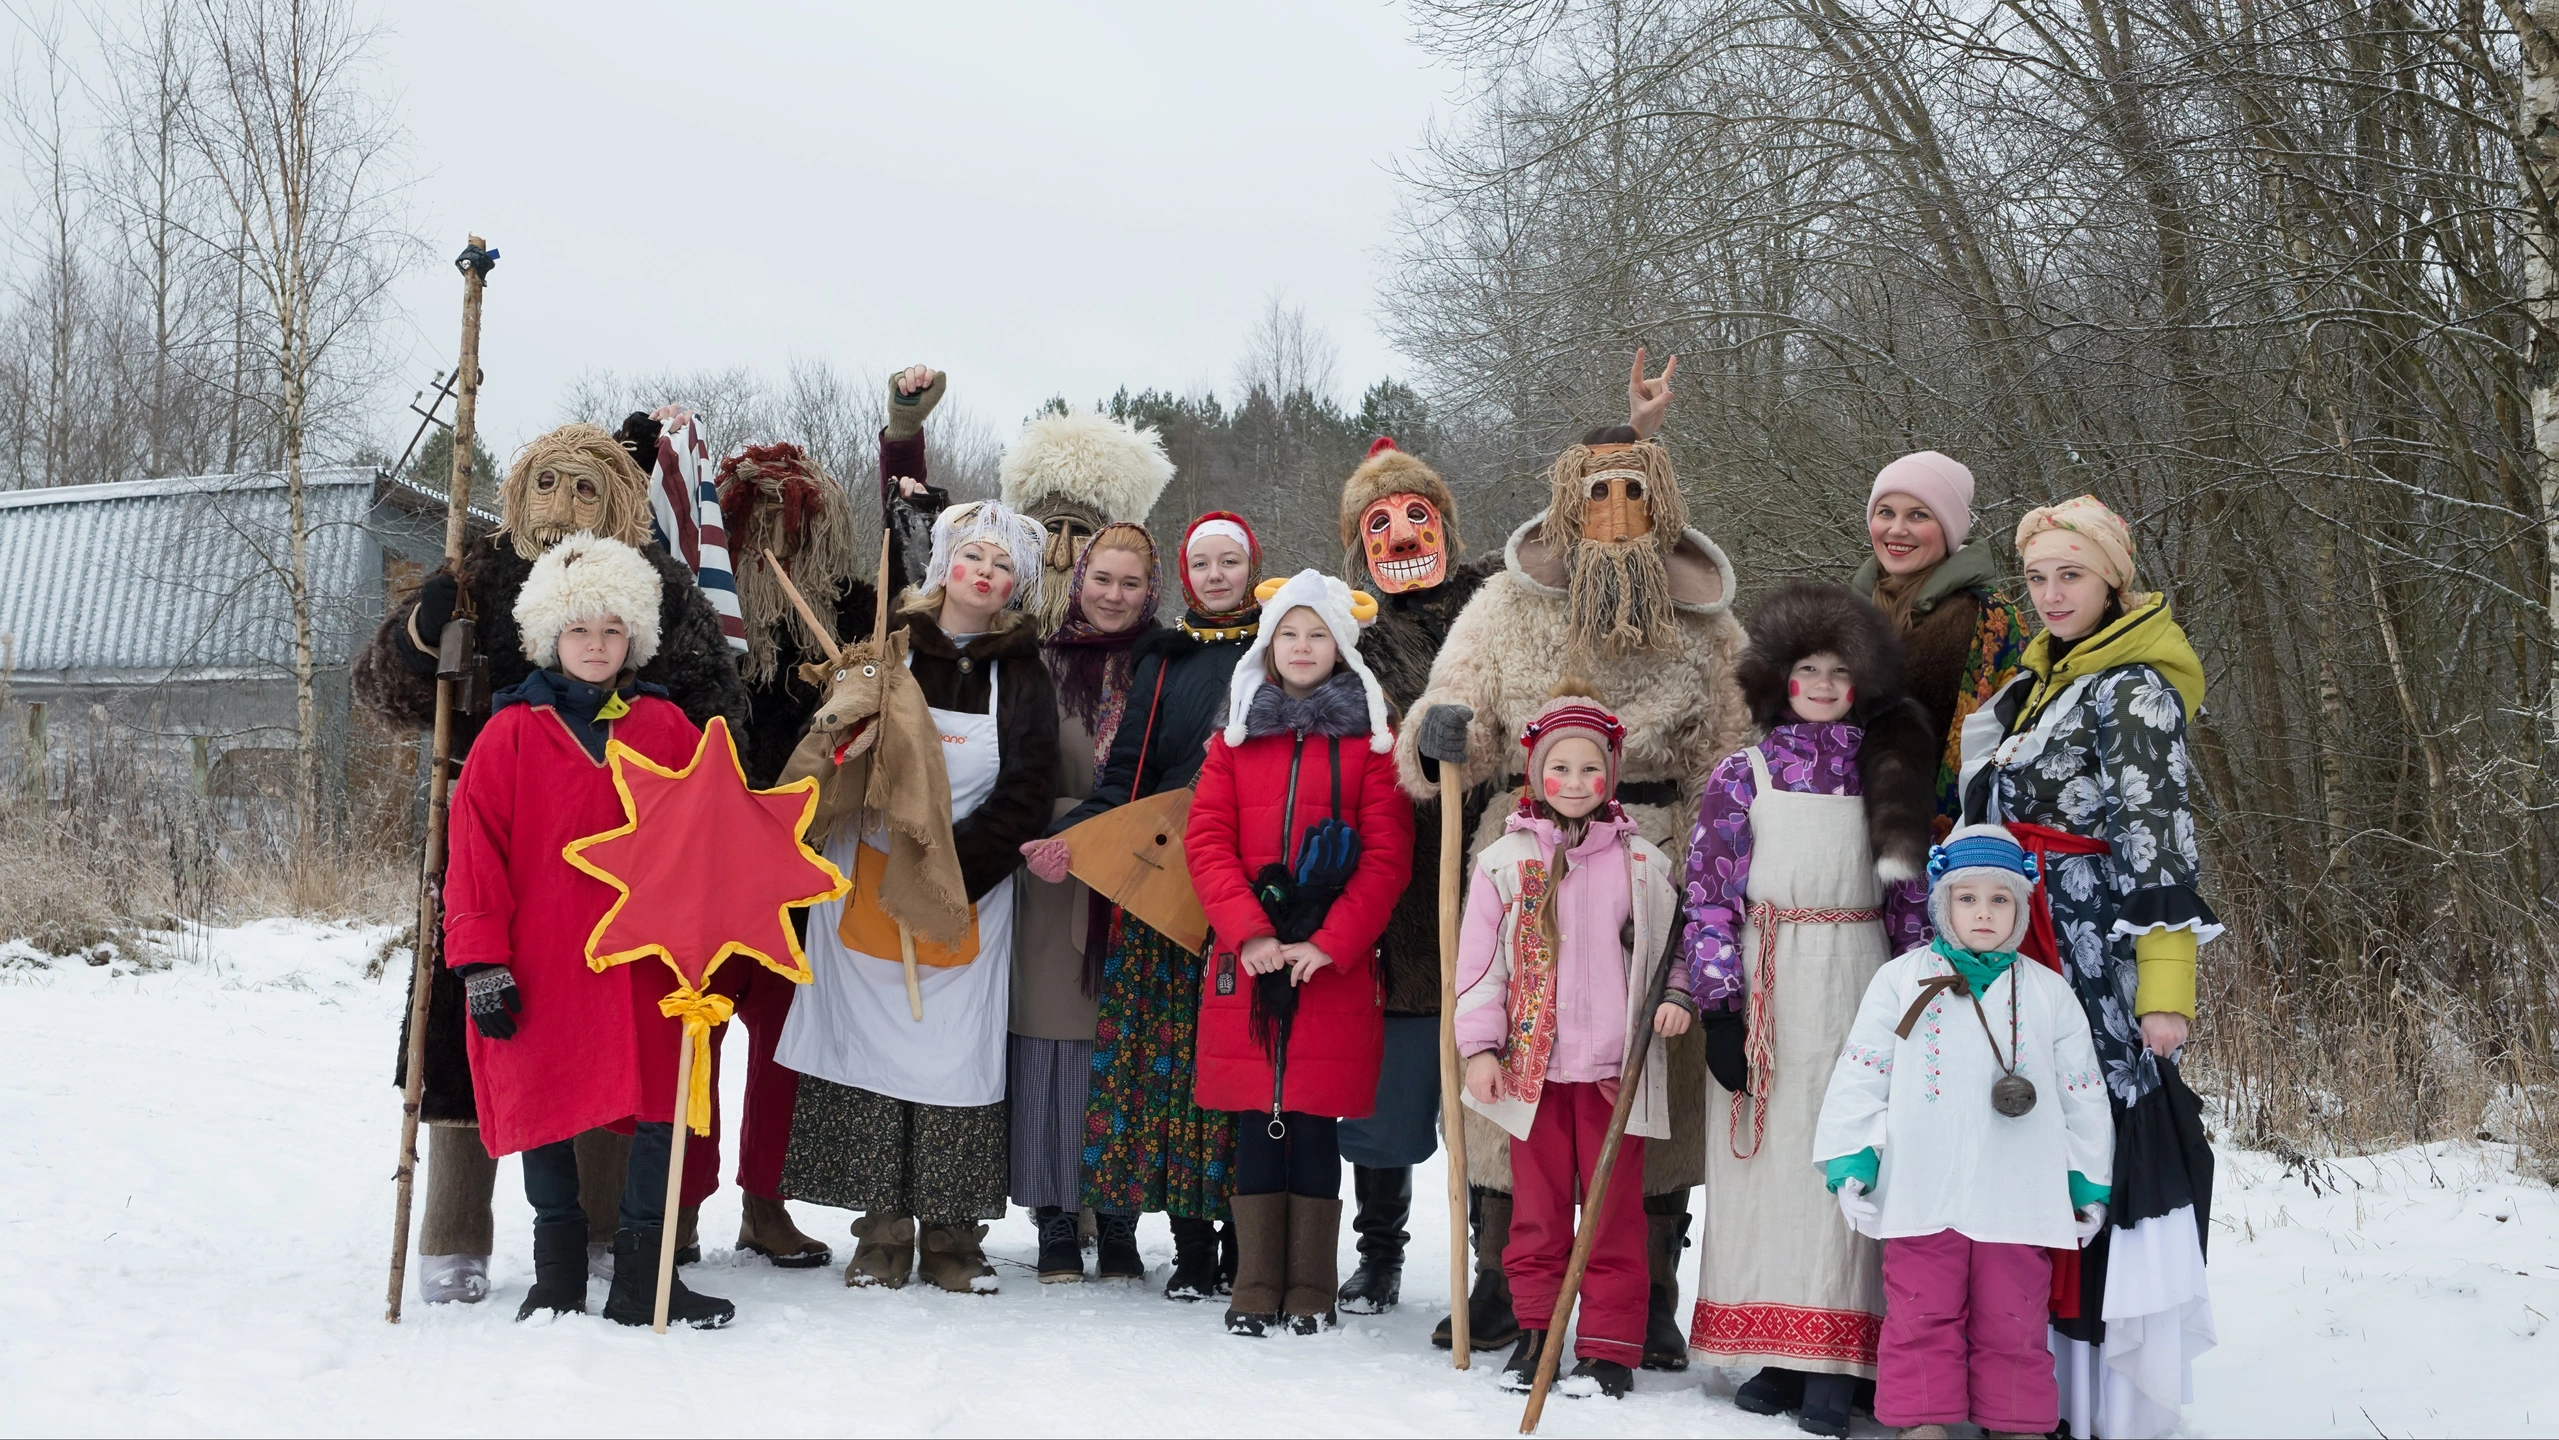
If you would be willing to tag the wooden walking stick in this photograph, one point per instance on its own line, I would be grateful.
(674, 1179)
(1452, 1115)
(455, 654)
(1594, 1205)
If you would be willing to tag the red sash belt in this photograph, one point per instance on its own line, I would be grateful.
(2043, 842)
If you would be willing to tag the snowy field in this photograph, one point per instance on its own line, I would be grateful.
(195, 1212)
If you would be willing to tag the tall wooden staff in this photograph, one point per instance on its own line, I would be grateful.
(452, 664)
(1452, 1115)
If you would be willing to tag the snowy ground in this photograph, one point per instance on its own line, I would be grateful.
(195, 1212)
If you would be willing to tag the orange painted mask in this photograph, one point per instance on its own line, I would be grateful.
(1407, 545)
(1617, 507)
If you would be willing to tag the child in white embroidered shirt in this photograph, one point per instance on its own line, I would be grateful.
(1966, 1127)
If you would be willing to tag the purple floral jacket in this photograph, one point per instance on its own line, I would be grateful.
(1804, 758)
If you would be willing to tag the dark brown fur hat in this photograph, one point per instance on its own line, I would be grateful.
(1897, 761)
(1388, 471)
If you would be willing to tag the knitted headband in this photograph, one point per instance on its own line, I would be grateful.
(1980, 855)
(1218, 524)
(1562, 718)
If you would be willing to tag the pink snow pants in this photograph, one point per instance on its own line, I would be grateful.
(1964, 1327)
(1550, 1170)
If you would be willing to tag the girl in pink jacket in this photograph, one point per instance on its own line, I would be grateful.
(1568, 920)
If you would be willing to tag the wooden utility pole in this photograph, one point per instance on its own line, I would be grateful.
(475, 262)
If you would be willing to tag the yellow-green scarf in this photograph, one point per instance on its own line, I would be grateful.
(2146, 636)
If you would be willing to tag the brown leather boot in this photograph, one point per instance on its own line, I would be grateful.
(886, 1255)
(1314, 1263)
(765, 1229)
(1261, 1263)
(954, 1258)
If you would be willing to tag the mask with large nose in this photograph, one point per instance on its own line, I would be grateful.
(1407, 546)
(1617, 507)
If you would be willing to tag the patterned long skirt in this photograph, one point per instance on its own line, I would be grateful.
(860, 1150)
(1146, 1145)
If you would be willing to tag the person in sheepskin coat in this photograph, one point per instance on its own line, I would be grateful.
(1290, 1025)
(1802, 879)
(558, 1049)
(1608, 586)
(576, 478)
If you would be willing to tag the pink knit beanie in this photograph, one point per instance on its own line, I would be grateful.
(1937, 481)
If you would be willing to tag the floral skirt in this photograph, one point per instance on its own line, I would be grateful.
(859, 1150)
(1147, 1146)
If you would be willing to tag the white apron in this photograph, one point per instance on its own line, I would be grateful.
(851, 1023)
(1781, 1279)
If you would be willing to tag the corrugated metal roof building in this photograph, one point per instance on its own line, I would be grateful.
(163, 607)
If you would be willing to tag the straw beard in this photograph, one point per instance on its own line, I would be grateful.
(1617, 597)
(1057, 589)
(534, 523)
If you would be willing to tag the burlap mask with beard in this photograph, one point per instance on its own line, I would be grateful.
(777, 498)
(1075, 472)
(575, 478)
(1614, 516)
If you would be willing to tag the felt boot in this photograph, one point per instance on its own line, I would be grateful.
(1115, 1254)
(1826, 1403)
(1385, 1203)
(1061, 1258)
(559, 1270)
(688, 1235)
(886, 1255)
(1261, 1263)
(1195, 1260)
(954, 1258)
(1314, 1263)
(1490, 1323)
(1665, 1344)
(1519, 1373)
(1598, 1377)
(764, 1228)
(453, 1279)
(1771, 1392)
(634, 1298)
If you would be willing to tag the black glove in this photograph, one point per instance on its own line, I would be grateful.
(1726, 1057)
(438, 594)
(1444, 736)
(489, 991)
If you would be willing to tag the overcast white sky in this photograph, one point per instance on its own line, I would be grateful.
(1038, 198)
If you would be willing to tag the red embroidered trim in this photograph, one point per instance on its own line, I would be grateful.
(1530, 1042)
(1796, 1332)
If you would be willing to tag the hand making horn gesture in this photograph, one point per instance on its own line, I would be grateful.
(1647, 401)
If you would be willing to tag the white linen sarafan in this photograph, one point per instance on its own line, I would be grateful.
(1950, 1160)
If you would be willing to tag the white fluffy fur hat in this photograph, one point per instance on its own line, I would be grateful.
(1019, 534)
(588, 577)
(1114, 467)
(1343, 610)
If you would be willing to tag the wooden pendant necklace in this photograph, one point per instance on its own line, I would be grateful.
(2011, 1094)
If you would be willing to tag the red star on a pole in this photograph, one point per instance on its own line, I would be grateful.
(705, 867)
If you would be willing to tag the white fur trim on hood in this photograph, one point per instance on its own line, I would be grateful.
(1117, 468)
(1331, 600)
(588, 577)
(1019, 534)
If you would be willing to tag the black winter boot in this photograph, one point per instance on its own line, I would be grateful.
(1519, 1373)
(1229, 1256)
(1115, 1254)
(1598, 1377)
(1061, 1258)
(1195, 1260)
(1489, 1320)
(1385, 1203)
(559, 1270)
(1665, 1341)
(1826, 1399)
(1772, 1391)
(634, 1298)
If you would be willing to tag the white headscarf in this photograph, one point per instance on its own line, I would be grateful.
(1019, 534)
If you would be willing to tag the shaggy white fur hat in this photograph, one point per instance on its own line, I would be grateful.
(1114, 467)
(588, 577)
(1019, 534)
(1343, 610)
(1980, 855)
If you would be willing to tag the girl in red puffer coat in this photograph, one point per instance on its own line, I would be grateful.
(1299, 843)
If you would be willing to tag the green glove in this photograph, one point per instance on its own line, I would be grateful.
(907, 412)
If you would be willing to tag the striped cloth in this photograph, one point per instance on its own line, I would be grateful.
(684, 509)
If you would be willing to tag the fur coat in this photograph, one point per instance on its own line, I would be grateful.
(1400, 646)
(396, 681)
(1683, 712)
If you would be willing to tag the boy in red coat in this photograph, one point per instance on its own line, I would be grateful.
(557, 1048)
(1299, 843)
